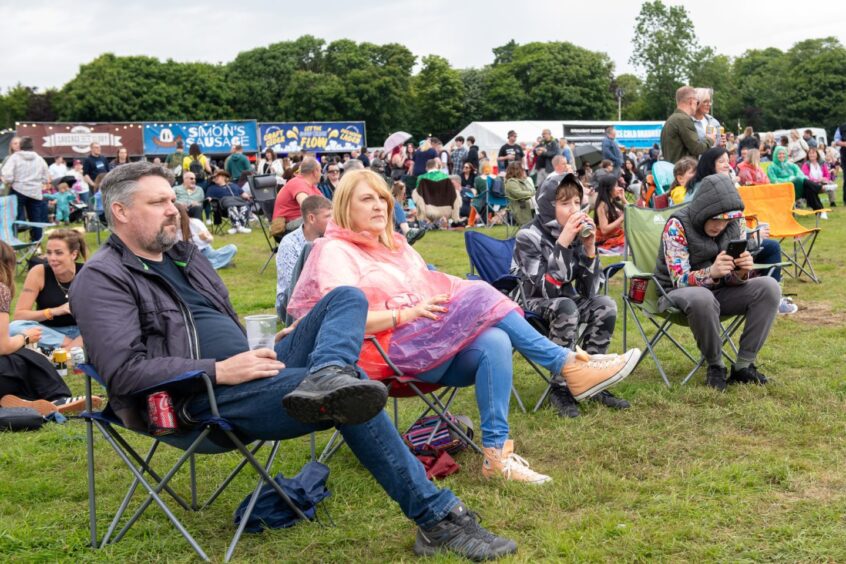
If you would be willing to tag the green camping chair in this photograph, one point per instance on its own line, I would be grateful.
(643, 227)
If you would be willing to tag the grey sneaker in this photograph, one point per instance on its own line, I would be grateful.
(336, 394)
(787, 307)
(461, 533)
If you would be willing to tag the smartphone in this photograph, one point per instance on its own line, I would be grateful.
(736, 248)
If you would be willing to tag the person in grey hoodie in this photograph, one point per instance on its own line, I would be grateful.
(27, 173)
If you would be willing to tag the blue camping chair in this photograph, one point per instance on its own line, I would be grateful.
(198, 441)
(9, 224)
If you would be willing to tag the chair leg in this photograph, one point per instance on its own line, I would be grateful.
(192, 466)
(153, 493)
(649, 344)
(267, 262)
(251, 505)
(230, 477)
(89, 438)
(127, 498)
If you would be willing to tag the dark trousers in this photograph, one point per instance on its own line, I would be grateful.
(30, 209)
(24, 376)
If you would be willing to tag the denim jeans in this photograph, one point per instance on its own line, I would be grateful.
(220, 258)
(51, 337)
(487, 363)
(331, 334)
(30, 209)
(770, 254)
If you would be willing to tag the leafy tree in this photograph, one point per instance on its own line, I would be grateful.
(664, 47)
(759, 77)
(474, 81)
(14, 105)
(632, 105)
(710, 70)
(815, 84)
(437, 95)
(504, 54)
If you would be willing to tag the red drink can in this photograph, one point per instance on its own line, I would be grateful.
(637, 290)
(161, 413)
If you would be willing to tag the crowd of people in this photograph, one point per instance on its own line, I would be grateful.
(360, 214)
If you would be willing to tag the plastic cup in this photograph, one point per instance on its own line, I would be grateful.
(261, 331)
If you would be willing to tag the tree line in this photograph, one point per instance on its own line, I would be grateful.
(309, 79)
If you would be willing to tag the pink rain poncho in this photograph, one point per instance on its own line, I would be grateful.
(396, 279)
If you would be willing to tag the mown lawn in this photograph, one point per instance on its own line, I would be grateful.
(756, 474)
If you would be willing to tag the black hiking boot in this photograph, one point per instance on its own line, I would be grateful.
(336, 394)
(608, 399)
(717, 378)
(563, 401)
(748, 375)
(460, 532)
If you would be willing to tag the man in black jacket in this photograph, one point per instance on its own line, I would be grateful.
(150, 308)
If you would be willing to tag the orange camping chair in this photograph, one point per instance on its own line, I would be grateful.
(773, 204)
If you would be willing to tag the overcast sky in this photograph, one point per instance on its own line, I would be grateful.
(46, 41)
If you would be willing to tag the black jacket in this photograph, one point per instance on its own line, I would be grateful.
(138, 331)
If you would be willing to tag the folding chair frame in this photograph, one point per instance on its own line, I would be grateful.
(803, 254)
(259, 198)
(156, 484)
(434, 404)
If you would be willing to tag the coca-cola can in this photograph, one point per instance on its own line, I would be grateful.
(162, 414)
(637, 290)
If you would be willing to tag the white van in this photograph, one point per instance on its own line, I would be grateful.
(818, 133)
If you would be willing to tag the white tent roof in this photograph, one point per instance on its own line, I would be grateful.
(491, 135)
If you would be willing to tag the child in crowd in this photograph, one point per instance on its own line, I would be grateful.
(608, 215)
(63, 198)
(683, 171)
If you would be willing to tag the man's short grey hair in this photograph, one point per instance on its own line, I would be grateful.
(683, 93)
(353, 164)
(309, 165)
(558, 160)
(120, 184)
(455, 178)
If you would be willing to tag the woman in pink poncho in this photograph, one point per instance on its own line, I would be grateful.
(436, 327)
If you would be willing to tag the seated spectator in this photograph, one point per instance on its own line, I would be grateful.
(330, 182)
(63, 198)
(817, 171)
(190, 195)
(767, 146)
(560, 274)
(520, 191)
(270, 164)
(194, 231)
(308, 383)
(608, 215)
(713, 161)
(797, 148)
(704, 282)
(468, 176)
(316, 211)
(749, 172)
(409, 304)
(782, 170)
(435, 197)
(233, 199)
(286, 210)
(683, 171)
(632, 177)
(46, 287)
(27, 379)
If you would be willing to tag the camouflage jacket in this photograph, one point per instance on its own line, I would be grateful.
(548, 270)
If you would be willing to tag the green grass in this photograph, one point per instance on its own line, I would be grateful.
(756, 474)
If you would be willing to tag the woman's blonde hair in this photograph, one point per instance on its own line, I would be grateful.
(753, 157)
(342, 200)
(486, 167)
(8, 263)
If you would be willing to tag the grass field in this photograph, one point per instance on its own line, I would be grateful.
(685, 475)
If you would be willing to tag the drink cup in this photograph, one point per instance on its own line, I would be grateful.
(586, 230)
(261, 331)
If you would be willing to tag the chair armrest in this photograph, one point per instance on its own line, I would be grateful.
(811, 212)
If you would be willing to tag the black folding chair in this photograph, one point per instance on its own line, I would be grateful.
(263, 187)
(154, 483)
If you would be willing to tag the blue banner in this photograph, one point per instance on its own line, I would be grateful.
(317, 137)
(638, 136)
(213, 137)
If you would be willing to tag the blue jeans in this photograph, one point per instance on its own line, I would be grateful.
(220, 258)
(51, 337)
(84, 196)
(331, 334)
(770, 254)
(487, 363)
(30, 209)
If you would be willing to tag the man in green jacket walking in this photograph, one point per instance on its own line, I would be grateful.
(237, 163)
(679, 137)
